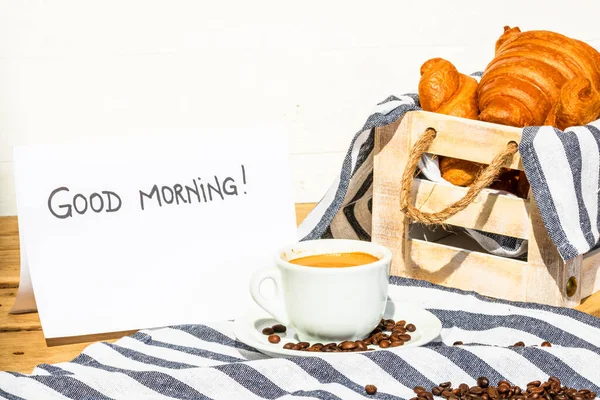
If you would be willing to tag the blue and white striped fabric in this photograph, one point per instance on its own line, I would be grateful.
(562, 168)
(206, 361)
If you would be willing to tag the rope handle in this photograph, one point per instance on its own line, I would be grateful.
(482, 181)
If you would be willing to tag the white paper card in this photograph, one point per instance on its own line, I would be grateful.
(153, 233)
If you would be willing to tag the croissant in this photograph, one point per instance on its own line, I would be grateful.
(540, 77)
(444, 90)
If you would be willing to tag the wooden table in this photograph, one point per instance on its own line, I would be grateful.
(22, 344)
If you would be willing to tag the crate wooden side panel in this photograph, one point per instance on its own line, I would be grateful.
(491, 212)
(466, 139)
(547, 273)
(390, 226)
(590, 273)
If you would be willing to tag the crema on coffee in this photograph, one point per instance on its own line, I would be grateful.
(335, 260)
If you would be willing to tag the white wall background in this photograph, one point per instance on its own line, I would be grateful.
(71, 69)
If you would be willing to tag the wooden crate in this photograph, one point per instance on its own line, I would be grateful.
(544, 278)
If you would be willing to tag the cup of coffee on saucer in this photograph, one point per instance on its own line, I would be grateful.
(329, 289)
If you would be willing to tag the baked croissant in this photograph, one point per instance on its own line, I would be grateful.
(540, 78)
(444, 90)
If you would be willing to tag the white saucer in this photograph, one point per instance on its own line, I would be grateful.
(248, 330)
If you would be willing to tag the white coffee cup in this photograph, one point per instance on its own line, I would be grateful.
(326, 304)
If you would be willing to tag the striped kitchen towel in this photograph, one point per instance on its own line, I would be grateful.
(562, 168)
(207, 362)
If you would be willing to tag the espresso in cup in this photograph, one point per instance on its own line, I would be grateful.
(329, 290)
(335, 260)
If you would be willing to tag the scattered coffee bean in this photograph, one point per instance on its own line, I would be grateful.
(274, 339)
(519, 344)
(288, 346)
(437, 391)
(348, 345)
(278, 328)
(371, 389)
(457, 343)
(411, 327)
(546, 344)
(268, 331)
(483, 382)
(384, 344)
(397, 343)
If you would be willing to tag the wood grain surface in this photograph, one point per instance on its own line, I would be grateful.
(22, 344)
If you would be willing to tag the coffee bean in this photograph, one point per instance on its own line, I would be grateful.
(274, 339)
(401, 323)
(348, 345)
(296, 347)
(519, 344)
(437, 390)
(457, 343)
(518, 390)
(483, 382)
(398, 330)
(406, 337)
(389, 327)
(371, 389)
(446, 394)
(360, 345)
(279, 328)
(538, 390)
(411, 327)
(384, 344)
(476, 390)
(546, 344)
(288, 346)
(463, 388)
(534, 383)
(418, 389)
(578, 397)
(445, 384)
(426, 395)
(304, 345)
(492, 392)
(397, 343)
(268, 331)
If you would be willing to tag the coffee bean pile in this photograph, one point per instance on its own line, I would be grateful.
(399, 334)
(552, 389)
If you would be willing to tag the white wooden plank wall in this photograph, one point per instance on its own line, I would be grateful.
(72, 69)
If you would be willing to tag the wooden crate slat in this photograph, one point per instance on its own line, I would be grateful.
(468, 270)
(491, 212)
(478, 141)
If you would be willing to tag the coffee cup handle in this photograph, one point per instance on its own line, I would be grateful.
(275, 306)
